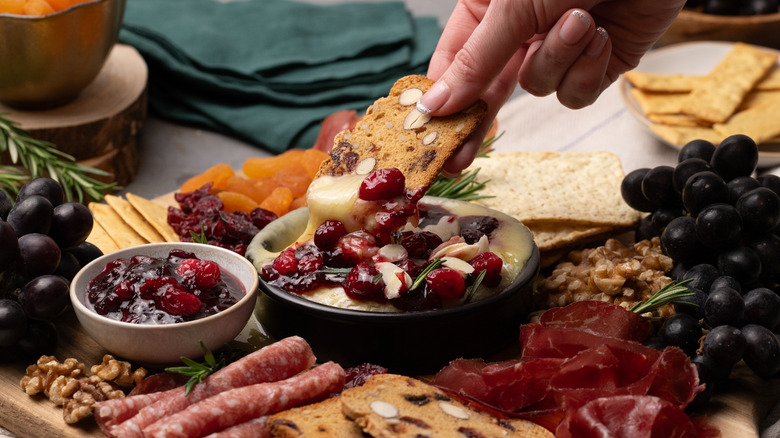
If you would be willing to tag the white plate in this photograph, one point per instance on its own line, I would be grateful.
(694, 58)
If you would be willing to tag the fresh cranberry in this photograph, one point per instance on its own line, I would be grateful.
(310, 262)
(261, 217)
(286, 263)
(390, 221)
(445, 282)
(174, 300)
(125, 290)
(352, 249)
(328, 234)
(187, 269)
(150, 286)
(208, 275)
(362, 282)
(411, 268)
(382, 184)
(491, 264)
(269, 273)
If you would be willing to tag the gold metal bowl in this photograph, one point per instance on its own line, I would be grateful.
(46, 60)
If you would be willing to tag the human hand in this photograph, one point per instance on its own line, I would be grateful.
(575, 48)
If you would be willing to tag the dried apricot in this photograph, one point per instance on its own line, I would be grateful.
(61, 5)
(237, 202)
(293, 177)
(297, 203)
(278, 201)
(245, 186)
(12, 7)
(265, 186)
(311, 160)
(218, 174)
(261, 167)
(38, 7)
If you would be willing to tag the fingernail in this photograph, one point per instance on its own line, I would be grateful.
(434, 98)
(575, 27)
(597, 44)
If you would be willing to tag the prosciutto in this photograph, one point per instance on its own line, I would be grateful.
(575, 371)
(126, 417)
(236, 406)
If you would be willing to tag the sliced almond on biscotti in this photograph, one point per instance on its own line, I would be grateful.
(390, 405)
(323, 419)
(394, 134)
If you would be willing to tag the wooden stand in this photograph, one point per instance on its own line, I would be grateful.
(100, 127)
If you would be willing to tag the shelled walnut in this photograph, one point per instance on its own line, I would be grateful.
(66, 383)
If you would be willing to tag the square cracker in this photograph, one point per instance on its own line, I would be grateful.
(385, 134)
(156, 214)
(549, 187)
(680, 135)
(121, 233)
(717, 96)
(659, 103)
(100, 238)
(761, 122)
(662, 82)
(133, 218)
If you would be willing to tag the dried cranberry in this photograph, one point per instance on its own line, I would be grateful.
(446, 282)
(421, 298)
(286, 263)
(238, 225)
(472, 228)
(208, 206)
(328, 234)
(261, 217)
(491, 264)
(181, 222)
(357, 375)
(188, 200)
(411, 268)
(362, 282)
(432, 240)
(382, 184)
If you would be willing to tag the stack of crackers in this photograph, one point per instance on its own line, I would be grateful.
(124, 222)
(566, 199)
(741, 95)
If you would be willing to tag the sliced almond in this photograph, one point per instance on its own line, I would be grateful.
(415, 119)
(392, 253)
(430, 138)
(410, 96)
(445, 228)
(366, 166)
(456, 264)
(453, 410)
(396, 280)
(383, 409)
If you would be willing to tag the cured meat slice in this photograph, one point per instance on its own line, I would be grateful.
(519, 385)
(256, 428)
(239, 405)
(126, 417)
(627, 416)
(463, 376)
(676, 378)
(600, 318)
(540, 341)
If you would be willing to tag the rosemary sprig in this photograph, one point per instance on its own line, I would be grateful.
(199, 371)
(42, 158)
(670, 293)
(420, 278)
(465, 187)
(475, 286)
(199, 237)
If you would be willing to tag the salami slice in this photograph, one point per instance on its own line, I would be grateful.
(239, 405)
(128, 416)
(256, 428)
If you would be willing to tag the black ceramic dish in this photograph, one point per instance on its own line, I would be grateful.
(412, 342)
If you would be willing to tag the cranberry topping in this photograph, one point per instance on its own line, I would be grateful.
(149, 290)
(286, 263)
(491, 264)
(472, 228)
(362, 282)
(328, 234)
(382, 184)
(446, 282)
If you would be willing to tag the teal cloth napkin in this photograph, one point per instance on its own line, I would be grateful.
(269, 71)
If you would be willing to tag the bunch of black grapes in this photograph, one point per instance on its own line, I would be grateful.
(42, 246)
(721, 226)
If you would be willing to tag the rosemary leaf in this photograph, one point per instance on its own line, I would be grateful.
(42, 158)
(475, 286)
(670, 293)
(420, 278)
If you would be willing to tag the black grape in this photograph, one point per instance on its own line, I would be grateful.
(725, 345)
(770, 181)
(6, 202)
(739, 186)
(762, 307)
(46, 187)
(10, 245)
(661, 218)
(631, 190)
(742, 263)
(767, 247)
(726, 281)
(72, 222)
(45, 297)
(39, 255)
(698, 148)
(40, 339)
(13, 322)
(69, 266)
(736, 155)
(760, 210)
(679, 240)
(703, 189)
(682, 330)
(710, 372)
(701, 275)
(692, 305)
(685, 169)
(724, 306)
(719, 226)
(31, 215)
(657, 186)
(762, 350)
(86, 252)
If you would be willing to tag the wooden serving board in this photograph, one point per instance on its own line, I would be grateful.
(100, 128)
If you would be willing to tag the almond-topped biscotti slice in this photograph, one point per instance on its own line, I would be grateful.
(318, 420)
(390, 405)
(393, 133)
